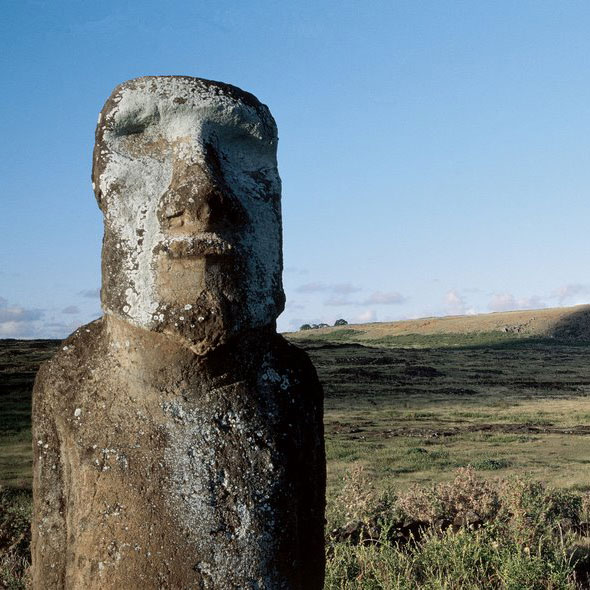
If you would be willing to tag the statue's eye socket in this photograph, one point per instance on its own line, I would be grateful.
(132, 128)
(135, 123)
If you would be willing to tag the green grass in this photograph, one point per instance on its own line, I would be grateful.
(19, 362)
(493, 340)
(500, 410)
(15, 537)
(465, 560)
(341, 335)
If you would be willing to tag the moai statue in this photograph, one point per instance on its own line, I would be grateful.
(179, 440)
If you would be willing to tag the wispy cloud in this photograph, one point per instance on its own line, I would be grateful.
(17, 321)
(296, 270)
(293, 305)
(19, 314)
(508, 302)
(568, 292)
(71, 309)
(339, 301)
(341, 297)
(319, 287)
(90, 293)
(384, 298)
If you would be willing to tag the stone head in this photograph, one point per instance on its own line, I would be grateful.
(185, 173)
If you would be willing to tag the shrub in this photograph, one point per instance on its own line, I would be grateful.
(341, 322)
(471, 533)
(466, 498)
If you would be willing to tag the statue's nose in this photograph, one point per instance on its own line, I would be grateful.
(199, 199)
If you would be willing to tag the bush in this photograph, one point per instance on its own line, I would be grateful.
(341, 322)
(466, 534)
(305, 327)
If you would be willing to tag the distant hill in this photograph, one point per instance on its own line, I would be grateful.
(563, 324)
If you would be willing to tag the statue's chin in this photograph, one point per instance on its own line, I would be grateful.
(201, 337)
(202, 326)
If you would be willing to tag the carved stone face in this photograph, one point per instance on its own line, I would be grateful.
(186, 175)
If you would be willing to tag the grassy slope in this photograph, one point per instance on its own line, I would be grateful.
(564, 323)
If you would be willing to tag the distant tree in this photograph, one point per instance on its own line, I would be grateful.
(323, 326)
(341, 322)
(314, 326)
(305, 327)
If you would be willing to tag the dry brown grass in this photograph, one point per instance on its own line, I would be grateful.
(528, 323)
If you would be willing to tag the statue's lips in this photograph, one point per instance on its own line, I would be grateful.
(199, 246)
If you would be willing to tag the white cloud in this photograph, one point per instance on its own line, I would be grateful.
(369, 315)
(567, 292)
(12, 329)
(455, 303)
(502, 302)
(507, 302)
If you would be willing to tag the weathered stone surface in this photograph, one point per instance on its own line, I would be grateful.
(178, 440)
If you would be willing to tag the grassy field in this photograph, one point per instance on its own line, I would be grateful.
(19, 361)
(415, 415)
(505, 394)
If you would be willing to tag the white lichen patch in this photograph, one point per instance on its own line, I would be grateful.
(223, 480)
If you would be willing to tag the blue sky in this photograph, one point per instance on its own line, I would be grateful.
(434, 155)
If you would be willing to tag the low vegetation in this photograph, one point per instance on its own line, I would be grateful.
(469, 533)
(15, 538)
(436, 443)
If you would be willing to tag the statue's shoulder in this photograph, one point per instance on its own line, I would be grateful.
(291, 357)
(76, 355)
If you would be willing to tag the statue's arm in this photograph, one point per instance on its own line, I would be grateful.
(310, 469)
(313, 472)
(49, 519)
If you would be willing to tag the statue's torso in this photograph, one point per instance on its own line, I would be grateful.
(152, 461)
